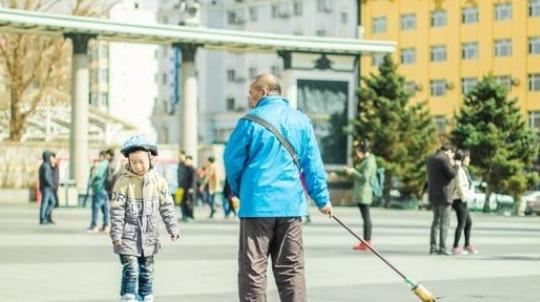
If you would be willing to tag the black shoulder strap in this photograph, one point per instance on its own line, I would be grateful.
(278, 135)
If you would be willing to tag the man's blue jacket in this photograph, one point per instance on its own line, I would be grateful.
(262, 173)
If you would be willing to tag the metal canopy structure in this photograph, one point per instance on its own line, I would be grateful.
(21, 21)
(185, 38)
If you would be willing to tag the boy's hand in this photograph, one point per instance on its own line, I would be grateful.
(174, 237)
(349, 170)
(117, 243)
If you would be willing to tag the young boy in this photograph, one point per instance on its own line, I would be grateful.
(140, 195)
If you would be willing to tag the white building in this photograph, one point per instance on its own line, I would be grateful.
(133, 90)
(224, 77)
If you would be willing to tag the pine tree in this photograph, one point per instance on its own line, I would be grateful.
(502, 147)
(401, 134)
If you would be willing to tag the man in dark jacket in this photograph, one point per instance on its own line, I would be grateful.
(189, 184)
(440, 172)
(47, 185)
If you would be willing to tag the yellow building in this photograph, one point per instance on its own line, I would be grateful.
(445, 46)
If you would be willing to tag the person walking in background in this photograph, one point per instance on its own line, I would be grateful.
(463, 192)
(209, 185)
(440, 172)
(100, 198)
(189, 186)
(113, 171)
(268, 181)
(181, 180)
(56, 166)
(47, 186)
(363, 173)
(199, 194)
(230, 202)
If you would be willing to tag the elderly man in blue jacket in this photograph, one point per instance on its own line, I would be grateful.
(272, 198)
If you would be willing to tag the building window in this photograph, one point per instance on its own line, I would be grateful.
(324, 6)
(344, 18)
(469, 15)
(534, 8)
(534, 82)
(231, 75)
(379, 25)
(468, 84)
(377, 59)
(95, 76)
(105, 75)
(297, 8)
(534, 120)
(438, 87)
(164, 79)
(231, 17)
(275, 70)
(503, 48)
(534, 45)
(104, 51)
(440, 123)
(320, 33)
(252, 72)
(408, 22)
(274, 11)
(103, 99)
(230, 104)
(253, 13)
(438, 53)
(165, 51)
(504, 80)
(410, 87)
(438, 18)
(408, 56)
(469, 51)
(503, 11)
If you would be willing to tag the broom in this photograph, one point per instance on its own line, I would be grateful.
(420, 291)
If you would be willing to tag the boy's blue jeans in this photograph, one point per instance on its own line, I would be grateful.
(47, 203)
(100, 201)
(137, 275)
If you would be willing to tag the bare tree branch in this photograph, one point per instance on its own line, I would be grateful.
(51, 5)
(36, 66)
(43, 85)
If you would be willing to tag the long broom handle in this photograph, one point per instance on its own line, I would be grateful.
(369, 247)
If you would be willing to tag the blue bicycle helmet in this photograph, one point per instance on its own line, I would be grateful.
(139, 142)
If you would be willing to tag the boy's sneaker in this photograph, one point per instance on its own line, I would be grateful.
(471, 250)
(149, 298)
(92, 230)
(457, 251)
(128, 298)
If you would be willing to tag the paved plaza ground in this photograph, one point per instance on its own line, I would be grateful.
(62, 263)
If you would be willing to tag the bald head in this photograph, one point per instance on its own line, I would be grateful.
(267, 81)
(264, 84)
